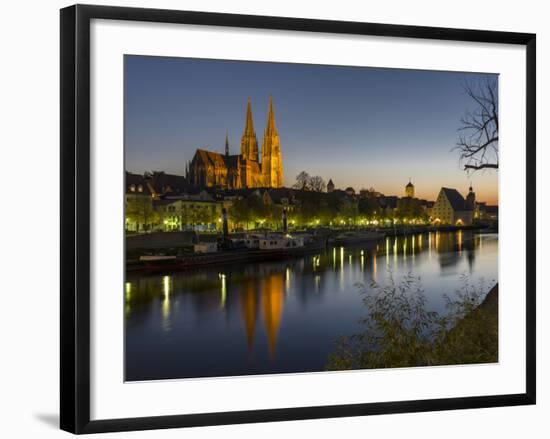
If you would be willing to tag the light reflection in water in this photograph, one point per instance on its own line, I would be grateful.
(127, 298)
(374, 266)
(287, 280)
(341, 278)
(272, 296)
(249, 310)
(166, 284)
(387, 253)
(223, 290)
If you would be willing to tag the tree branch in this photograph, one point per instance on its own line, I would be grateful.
(478, 143)
(482, 166)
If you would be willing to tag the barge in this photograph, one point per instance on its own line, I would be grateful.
(267, 252)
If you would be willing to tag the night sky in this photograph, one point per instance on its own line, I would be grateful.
(361, 127)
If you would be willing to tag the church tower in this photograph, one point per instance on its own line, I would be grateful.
(249, 142)
(471, 199)
(409, 190)
(272, 162)
(226, 143)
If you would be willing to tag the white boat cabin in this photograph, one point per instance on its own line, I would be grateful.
(206, 247)
(280, 242)
(252, 241)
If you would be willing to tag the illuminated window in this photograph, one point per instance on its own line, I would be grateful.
(132, 187)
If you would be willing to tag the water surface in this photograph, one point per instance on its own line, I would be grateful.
(284, 316)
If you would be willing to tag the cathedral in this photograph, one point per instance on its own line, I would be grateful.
(244, 170)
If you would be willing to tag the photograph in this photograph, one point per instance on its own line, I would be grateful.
(284, 218)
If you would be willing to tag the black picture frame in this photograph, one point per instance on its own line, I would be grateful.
(75, 217)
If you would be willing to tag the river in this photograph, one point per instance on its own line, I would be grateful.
(284, 316)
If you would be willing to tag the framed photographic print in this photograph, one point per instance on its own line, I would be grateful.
(269, 218)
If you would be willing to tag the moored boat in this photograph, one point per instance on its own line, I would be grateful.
(356, 238)
(176, 263)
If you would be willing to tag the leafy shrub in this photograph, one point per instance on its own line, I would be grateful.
(400, 331)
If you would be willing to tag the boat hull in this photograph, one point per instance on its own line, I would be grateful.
(228, 257)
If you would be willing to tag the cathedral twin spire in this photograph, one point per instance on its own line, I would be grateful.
(245, 170)
(226, 142)
(270, 126)
(249, 143)
(271, 165)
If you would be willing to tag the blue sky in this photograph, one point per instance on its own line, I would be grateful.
(362, 127)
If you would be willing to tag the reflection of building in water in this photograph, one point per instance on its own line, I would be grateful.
(272, 290)
(249, 311)
(271, 294)
(451, 247)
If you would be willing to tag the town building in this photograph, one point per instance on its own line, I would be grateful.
(491, 213)
(138, 206)
(471, 199)
(427, 207)
(200, 212)
(161, 184)
(487, 212)
(350, 192)
(451, 208)
(369, 193)
(388, 205)
(244, 170)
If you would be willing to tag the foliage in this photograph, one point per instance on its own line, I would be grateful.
(400, 331)
(139, 210)
(253, 210)
(312, 207)
(305, 182)
(369, 207)
(409, 208)
(347, 210)
(302, 181)
(239, 213)
(317, 184)
(204, 215)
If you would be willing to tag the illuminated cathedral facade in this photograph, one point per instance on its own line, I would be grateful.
(244, 170)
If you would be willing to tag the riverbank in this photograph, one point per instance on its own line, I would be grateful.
(180, 244)
(401, 332)
(474, 338)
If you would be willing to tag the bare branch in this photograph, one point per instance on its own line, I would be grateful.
(483, 166)
(478, 143)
